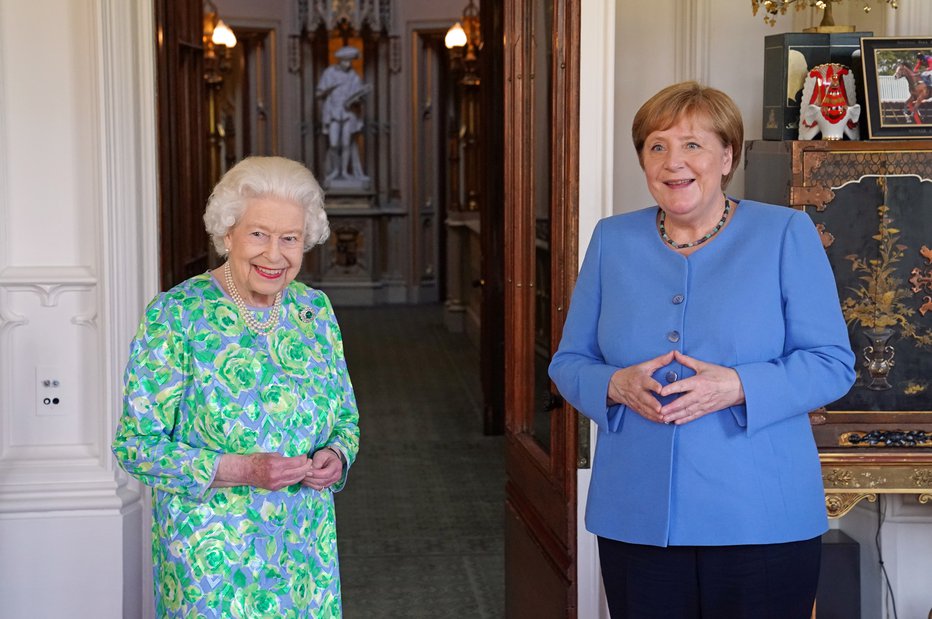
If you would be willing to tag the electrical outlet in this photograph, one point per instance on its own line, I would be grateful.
(50, 391)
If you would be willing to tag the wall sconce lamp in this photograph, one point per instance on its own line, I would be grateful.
(218, 41)
(456, 36)
(465, 162)
(223, 35)
(464, 40)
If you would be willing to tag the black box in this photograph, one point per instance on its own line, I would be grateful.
(839, 593)
(768, 171)
(784, 57)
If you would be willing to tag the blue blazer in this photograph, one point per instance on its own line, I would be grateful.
(760, 298)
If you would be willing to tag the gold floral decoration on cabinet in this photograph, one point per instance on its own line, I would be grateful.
(880, 305)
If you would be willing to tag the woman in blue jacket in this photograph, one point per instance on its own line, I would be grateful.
(700, 334)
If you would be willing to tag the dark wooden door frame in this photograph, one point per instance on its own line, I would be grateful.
(492, 218)
(540, 554)
(183, 148)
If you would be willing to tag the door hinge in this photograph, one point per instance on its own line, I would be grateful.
(582, 441)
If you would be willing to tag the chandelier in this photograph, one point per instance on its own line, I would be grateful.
(772, 8)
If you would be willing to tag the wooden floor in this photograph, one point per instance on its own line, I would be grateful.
(421, 520)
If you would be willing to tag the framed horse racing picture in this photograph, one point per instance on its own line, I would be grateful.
(897, 87)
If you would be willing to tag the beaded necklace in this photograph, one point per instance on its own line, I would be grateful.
(675, 245)
(262, 328)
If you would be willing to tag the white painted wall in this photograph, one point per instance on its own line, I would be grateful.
(719, 43)
(77, 261)
(597, 138)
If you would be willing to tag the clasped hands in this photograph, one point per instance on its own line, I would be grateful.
(273, 471)
(320, 470)
(712, 388)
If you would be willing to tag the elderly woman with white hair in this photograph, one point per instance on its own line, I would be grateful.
(239, 412)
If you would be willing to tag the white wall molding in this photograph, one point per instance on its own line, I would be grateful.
(907, 509)
(693, 37)
(4, 158)
(912, 18)
(57, 478)
(49, 457)
(86, 142)
(8, 320)
(39, 310)
(71, 497)
(80, 276)
(596, 114)
(128, 252)
(596, 177)
(88, 320)
(48, 283)
(34, 332)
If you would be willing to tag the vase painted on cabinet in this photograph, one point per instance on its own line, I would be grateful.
(878, 358)
(882, 303)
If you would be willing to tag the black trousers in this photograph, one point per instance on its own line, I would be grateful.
(767, 581)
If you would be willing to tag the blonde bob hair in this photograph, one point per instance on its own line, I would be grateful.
(693, 101)
(265, 177)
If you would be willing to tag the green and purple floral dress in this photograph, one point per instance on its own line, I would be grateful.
(199, 384)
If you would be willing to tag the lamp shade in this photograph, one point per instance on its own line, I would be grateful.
(223, 35)
(456, 36)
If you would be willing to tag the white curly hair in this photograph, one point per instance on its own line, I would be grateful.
(268, 177)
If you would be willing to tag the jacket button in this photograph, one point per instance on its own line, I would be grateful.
(673, 336)
(671, 376)
(678, 298)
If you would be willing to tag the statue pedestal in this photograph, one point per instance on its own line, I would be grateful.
(338, 201)
(344, 266)
(347, 186)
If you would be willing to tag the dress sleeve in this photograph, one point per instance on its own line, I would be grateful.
(817, 366)
(578, 368)
(154, 382)
(345, 433)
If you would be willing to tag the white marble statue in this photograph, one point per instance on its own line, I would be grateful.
(342, 91)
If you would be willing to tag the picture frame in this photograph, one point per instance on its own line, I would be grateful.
(896, 91)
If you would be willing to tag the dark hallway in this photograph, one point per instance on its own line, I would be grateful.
(420, 522)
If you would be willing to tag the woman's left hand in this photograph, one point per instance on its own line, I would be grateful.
(711, 389)
(328, 468)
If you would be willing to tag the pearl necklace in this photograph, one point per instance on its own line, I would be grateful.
(262, 328)
(675, 245)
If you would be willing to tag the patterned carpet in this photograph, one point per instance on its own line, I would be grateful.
(420, 523)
